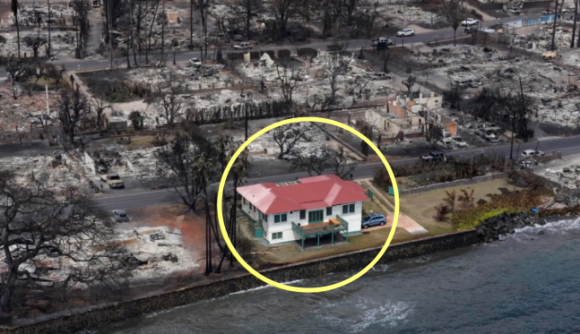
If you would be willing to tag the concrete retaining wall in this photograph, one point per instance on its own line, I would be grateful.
(462, 182)
(103, 315)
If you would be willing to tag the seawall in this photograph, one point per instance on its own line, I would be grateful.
(106, 314)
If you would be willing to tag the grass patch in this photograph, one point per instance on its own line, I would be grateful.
(517, 201)
(139, 142)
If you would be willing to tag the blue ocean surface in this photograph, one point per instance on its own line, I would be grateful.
(528, 283)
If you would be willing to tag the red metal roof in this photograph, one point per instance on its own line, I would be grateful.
(310, 193)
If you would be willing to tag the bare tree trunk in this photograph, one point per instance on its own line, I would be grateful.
(132, 35)
(49, 50)
(110, 27)
(191, 24)
(149, 33)
(553, 47)
(163, 33)
(574, 25)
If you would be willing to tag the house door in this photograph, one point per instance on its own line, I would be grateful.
(315, 217)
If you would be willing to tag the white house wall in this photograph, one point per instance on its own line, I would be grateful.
(288, 234)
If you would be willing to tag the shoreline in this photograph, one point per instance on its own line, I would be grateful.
(104, 314)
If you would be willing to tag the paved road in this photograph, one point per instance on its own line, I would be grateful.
(355, 44)
(138, 198)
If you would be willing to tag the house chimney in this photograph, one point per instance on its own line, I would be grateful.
(421, 97)
(432, 95)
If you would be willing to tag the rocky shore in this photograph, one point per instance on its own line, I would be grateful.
(494, 228)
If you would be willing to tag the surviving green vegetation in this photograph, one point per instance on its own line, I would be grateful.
(532, 195)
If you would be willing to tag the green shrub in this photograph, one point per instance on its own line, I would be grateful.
(474, 217)
(517, 201)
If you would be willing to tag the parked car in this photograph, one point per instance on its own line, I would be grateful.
(528, 163)
(445, 133)
(379, 40)
(373, 219)
(113, 180)
(469, 22)
(445, 143)
(531, 154)
(196, 62)
(121, 216)
(436, 156)
(243, 46)
(491, 136)
(406, 32)
(381, 76)
(459, 142)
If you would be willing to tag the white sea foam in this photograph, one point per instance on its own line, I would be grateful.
(381, 268)
(386, 314)
(420, 259)
(556, 227)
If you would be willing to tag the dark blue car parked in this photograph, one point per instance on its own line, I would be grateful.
(373, 219)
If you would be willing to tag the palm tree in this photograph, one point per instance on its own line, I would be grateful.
(14, 8)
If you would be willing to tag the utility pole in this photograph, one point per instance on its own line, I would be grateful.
(163, 32)
(554, 27)
(49, 50)
(132, 29)
(110, 20)
(523, 112)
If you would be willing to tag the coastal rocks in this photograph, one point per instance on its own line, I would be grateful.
(496, 227)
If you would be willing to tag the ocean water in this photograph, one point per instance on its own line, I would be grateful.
(529, 283)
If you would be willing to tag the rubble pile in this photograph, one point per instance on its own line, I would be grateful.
(565, 172)
(141, 163)
(401, 15)
(57, 170)
(155, 251)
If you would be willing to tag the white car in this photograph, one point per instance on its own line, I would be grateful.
(445, 143)
(491, 136)
(469, 22)
(406, 32)
(532, 154)
(195, 62)
(381, 76)
(458, 141)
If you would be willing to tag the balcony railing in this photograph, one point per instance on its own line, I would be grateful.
(332, 226)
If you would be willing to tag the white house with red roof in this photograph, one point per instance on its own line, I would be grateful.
(309, 207)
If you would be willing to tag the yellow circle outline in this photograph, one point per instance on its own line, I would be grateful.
(289, 287)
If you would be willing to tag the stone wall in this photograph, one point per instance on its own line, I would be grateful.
(462, 182)
(107, 314)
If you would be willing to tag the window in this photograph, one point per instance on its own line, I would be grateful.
(349, 208)
(280, 218)
(265, 218)
(303, 214)
(244, 201)
(276, 235)
(329, 211)
(315, 216)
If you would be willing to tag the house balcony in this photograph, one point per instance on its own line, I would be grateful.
(331, 227)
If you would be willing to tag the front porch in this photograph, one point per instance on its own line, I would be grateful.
(329, 228)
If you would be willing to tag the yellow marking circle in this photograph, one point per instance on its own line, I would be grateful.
(294, 288)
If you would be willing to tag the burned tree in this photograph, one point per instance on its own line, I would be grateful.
(74, 106)
(195, 163)
(39, 223)
(34, 42)
(14, 7)
(54, 72)
(99, 105)
(167, 99)
(289, 77)
(335, 67)
(285, 9)
(451, 11)
(287, 136)
(82, 25)
(325, 159)
(409, 82)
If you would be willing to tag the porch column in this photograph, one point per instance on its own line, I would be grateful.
(332, 238)
(318, 238)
